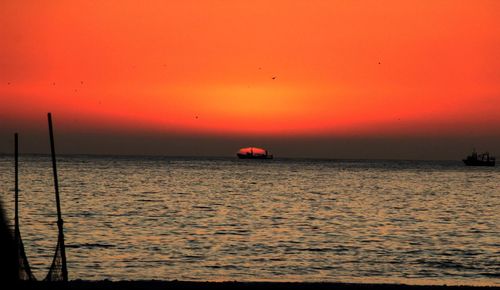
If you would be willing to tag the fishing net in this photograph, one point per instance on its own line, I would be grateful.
(58, 271)
(23, 266)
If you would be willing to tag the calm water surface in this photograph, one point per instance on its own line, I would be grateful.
(284, 220)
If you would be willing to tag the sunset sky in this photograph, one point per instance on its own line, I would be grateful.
(420, 78)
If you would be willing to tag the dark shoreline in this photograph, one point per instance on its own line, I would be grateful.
(156, 284)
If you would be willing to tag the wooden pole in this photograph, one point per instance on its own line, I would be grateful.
(16, 188)
(59, 218)
(16, 208)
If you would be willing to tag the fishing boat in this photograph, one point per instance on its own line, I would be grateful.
(253, 153)
(484, 159)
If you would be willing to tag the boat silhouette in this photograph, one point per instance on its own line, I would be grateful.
(253, 153)
(475, 159)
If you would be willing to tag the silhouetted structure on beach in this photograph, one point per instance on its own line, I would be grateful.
(8, 262)
(58, 269)
(22, 264)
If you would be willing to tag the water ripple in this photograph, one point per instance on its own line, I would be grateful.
(286, 220)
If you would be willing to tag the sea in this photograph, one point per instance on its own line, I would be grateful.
(224, 219)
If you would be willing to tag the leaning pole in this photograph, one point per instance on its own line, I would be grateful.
(64, 270)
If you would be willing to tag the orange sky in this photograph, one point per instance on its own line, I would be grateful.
(339, 67)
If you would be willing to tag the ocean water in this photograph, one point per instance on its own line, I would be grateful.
(219, 219)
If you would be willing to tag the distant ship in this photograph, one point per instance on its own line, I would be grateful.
(479, 159)
(253, 153)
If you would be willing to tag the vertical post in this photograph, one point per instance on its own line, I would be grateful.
(16, 188)
(16, 217)
(56, 186)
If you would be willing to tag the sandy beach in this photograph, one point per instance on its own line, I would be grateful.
(153, 285)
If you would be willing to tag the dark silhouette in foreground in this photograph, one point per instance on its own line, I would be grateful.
(8, 257)
(58, 269)
(154, 285)
(22, 264)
